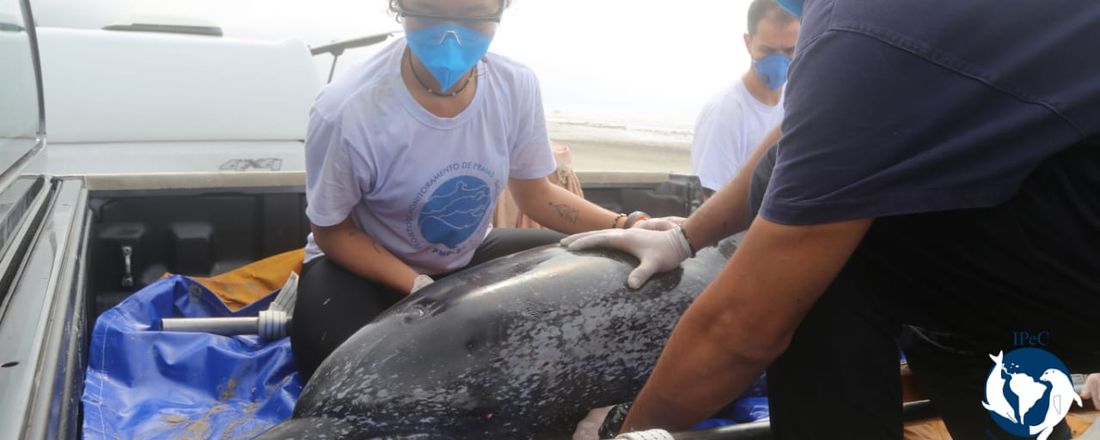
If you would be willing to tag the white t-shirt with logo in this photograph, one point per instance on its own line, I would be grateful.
(727, 131)
(422, 186)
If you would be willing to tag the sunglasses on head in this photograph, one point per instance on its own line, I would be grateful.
(413, 15)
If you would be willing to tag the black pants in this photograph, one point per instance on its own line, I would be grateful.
(333, 303)
(949, 288)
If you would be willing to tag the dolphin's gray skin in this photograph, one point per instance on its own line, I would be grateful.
(519, 347)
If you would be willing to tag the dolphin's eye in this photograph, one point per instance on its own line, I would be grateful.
(415, 313)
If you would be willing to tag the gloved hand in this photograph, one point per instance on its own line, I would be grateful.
(421, 282)
(656, 251)
(649, 434)
(1092, 389)
(661, 223)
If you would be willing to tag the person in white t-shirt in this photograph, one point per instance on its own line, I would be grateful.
(734, 122)
(406, 156)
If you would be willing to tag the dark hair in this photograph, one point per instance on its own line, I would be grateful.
(393, 5)
(758, 10)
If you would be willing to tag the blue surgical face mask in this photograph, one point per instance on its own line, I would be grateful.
(792, 6)
(448, 50)
(772, 70)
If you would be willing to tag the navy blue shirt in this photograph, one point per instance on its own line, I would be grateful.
(900, 107)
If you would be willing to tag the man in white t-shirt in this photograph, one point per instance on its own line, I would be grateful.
(734, 122)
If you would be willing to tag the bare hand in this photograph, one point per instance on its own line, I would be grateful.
(1092, 389)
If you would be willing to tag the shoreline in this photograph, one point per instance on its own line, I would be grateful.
(624, 145)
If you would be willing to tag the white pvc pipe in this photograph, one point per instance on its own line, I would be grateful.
(218, 326)
(271, 324)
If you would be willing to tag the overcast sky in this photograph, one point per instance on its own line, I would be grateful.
(634, 59)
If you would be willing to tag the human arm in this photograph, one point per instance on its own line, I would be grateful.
(333, 190)
(743, 320)
(659, 245)
(1092, 389)
(733, 200)
(560, 210)
(726, 212)
(357, 252)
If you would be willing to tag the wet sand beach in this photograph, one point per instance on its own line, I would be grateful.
(623, 145)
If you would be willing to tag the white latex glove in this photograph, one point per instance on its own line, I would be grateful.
(589, 427)
(660, 224)
(652, 434)
(1092, 389)
(657, 251)
(421, 282)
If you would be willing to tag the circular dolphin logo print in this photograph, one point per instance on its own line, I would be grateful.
(1028, 392)
(454, 211)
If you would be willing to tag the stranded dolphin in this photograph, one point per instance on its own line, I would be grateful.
(518, 347)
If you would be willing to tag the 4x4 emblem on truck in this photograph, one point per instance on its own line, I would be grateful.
(263, 163)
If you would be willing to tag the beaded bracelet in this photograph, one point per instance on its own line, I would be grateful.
(615, 221)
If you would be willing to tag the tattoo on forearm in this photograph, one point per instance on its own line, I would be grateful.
(373, 244)
(566, 212)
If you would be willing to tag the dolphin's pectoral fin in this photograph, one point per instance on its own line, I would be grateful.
(1057, 403)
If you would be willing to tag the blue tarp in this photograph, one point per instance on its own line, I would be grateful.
(750, 407)
(148, 384)
(145, 383)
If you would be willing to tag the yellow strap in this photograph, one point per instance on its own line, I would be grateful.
(246, 284)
